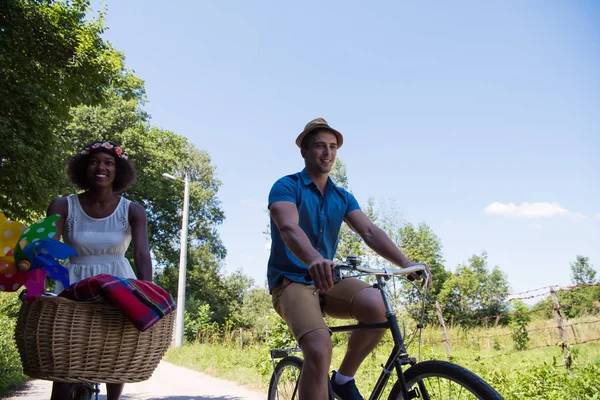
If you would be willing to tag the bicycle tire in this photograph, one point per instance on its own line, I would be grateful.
(284, 381)
(79, 391)
(445, 380)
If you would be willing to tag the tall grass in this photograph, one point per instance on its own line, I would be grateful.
(537, 374)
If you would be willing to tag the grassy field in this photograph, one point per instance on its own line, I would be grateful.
(536, 374)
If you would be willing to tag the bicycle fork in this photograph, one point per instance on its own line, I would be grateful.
(399, 355)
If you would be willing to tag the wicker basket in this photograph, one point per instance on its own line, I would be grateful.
(69, 341)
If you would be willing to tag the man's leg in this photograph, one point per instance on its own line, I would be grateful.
(367, 307)
(316, 349)
(301, 310)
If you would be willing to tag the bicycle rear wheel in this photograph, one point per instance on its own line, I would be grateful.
(284, 381)
(443, 381)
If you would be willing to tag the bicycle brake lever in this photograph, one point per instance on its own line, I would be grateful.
(412, 278)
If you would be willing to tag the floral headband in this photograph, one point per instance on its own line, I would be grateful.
(107, 145)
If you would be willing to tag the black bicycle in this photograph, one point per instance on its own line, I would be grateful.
(427, 379)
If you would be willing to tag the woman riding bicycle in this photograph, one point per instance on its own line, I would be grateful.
(100, 224)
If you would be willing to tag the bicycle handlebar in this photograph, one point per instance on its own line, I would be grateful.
(384, 271)
(352, 264)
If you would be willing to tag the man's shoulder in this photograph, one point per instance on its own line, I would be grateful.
(291, 179)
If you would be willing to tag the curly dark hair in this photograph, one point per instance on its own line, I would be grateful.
(125, 170)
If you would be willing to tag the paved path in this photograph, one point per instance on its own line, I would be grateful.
(169, 382)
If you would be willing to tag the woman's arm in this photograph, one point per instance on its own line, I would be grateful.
(61, 207)
(139, 235)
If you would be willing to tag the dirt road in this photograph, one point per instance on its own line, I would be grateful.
(168, 382)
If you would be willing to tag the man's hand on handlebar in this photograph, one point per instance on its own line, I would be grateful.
(419, 275)
(321, 273)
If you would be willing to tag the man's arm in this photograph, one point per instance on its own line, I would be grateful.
(285, 215)
(378, 240)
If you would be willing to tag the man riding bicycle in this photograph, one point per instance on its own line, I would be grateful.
(307, 211)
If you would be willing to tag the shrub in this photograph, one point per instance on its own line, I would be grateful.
(11, 372)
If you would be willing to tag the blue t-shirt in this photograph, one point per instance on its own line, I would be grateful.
(319, 216)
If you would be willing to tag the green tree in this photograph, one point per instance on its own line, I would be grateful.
(205, 283)
(581, 271)
(474, 292)
(349, 242)
(421, 244)
(120, 118)
(51, 59)
(575, 301)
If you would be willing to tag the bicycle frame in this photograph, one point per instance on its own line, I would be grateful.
(398, 357)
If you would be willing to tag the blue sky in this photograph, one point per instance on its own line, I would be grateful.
(481, 119)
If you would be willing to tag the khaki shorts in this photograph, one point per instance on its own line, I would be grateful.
(295, 303)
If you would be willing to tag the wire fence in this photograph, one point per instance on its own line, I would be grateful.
(485, 336)
(562, 332)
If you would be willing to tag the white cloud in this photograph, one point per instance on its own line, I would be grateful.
(267, 245)
(531, 210)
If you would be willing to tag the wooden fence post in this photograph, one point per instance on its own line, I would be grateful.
(241, 338)
(560, 325)
(438, 309)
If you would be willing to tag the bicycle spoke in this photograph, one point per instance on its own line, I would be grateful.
(440, 388)
(284, 385)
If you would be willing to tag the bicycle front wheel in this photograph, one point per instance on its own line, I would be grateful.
(442, 380)
(284, 381)
(80, 391)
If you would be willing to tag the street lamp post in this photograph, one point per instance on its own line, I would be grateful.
(182, 258)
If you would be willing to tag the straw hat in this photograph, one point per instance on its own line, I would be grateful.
(319, 123)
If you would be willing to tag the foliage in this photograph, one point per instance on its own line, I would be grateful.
(582, 273)
(254, 311)
(278, 335)
(66, 87)
(120, 118)
(584, 299)
(155, 151)
(574, 303)
(10, 304)
(421, 244)
(11, 372)
(349, 243)
(196, 320)
(339, 174)
(515, 379)
(51, 59)
(545, 381)
(519, 319)
(474, 293)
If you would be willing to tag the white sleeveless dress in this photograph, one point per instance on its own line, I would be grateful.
(100, 242)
